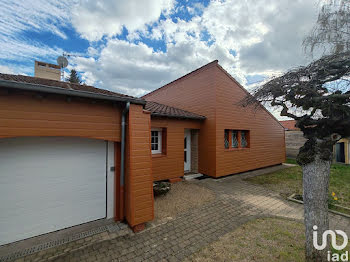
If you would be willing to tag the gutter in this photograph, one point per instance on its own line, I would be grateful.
(122, 145)
(178, 117)
(69, 92)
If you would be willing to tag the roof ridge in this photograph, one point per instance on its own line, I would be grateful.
(184, 76)
(35, 83)
(52, 80)
(59, 83)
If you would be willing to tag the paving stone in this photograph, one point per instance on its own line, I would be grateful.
(236, 203)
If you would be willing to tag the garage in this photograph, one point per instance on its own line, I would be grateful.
(50, 183)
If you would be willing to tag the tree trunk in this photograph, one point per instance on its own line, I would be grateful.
(315, 187)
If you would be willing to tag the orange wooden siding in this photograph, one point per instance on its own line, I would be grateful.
(209, 91)
(171, 164)
(195, 93)
(27, 114)
(266, 135)
(138, 178)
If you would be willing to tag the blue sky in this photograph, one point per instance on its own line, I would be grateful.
(134, 46)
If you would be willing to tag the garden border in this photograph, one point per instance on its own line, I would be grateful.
(291, 198)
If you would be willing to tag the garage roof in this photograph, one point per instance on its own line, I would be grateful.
(59, 87)
(157, 109)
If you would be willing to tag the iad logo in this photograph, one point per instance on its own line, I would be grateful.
(332, 234)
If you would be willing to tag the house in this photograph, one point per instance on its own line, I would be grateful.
(60, 157)
(295, 140)
(71, 154)
(289, 125)
(231, 139)
(174, 141)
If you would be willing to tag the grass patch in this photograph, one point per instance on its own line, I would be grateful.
(265, 240)
(181, 197)
(289, 181)
(291, 161)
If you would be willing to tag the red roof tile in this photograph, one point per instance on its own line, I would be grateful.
(61, 84)
(157, 109)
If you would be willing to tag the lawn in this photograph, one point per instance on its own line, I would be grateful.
(268, 239)
(289, 181)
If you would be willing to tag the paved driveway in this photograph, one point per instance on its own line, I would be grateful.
(237, 202)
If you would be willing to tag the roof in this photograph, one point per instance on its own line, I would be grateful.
(157, 109)
(215, 62)
(34, 83)
(289, 125)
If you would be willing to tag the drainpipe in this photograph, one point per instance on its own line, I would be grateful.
(122, 146)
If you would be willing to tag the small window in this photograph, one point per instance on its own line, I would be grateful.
(226, 139)
(236, 139)
(156, 141)
(244, 139)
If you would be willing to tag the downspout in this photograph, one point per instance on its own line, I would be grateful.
(122, 148)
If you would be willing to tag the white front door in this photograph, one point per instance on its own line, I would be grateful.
(187, 150)
(50, 183)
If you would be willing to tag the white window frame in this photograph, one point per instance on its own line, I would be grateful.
(159, 130)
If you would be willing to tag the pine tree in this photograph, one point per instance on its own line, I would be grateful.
(73, 77)
(317, 97)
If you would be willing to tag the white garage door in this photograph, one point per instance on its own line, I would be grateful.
(48, 184)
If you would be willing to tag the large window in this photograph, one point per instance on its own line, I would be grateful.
(236, 139)
(156, 141)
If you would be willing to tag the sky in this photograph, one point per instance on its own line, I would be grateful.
(136, 46)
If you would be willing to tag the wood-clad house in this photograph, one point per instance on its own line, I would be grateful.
(231, 139)
(61, 147)
(60, 153)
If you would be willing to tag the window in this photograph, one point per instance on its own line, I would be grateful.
(156, 141)
(244, 141)
(226, 138)
(236, 139)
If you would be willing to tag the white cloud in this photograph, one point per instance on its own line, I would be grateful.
(18, 20)
(266, 36)
(17, 50)
(281, 47)
(6, 70)
(94, 19)
(136, 69)
(35, 15)
(17, 70)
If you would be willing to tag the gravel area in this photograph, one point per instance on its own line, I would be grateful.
(181, 197)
